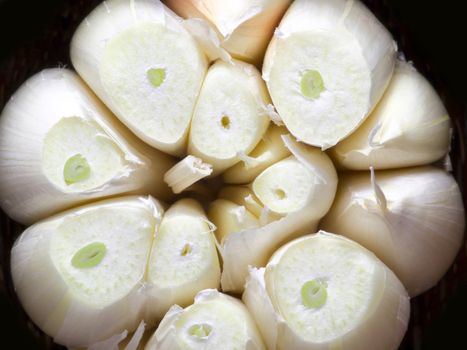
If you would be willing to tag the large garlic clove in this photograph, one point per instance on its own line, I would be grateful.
(408, 127)
(412, 219)
(311, 182)
(214, 321)
(230, 116)
(326, 67)
(79, 275)
(140, 60)
(324, 291)
(269, 150)
(244, 27)
(183, 259)
(62, 147)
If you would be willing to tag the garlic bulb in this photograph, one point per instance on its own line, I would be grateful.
(269, 150)
(244, 27)
(326, 67)
(324, 291)
(183, 259)
(214, 321)
(79, 275)
(293, 194)
(408, 127)
(61, 147)
(140, 60)
(412, 219)
(230, 116)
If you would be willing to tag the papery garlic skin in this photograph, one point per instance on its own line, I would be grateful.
(412, 219)
(223, 322)
(326, 67)
(81, 305)
(140, 60)
(230, 116)
(375, 319)
(52, 117)
(244, 27)
(278, 223)
(183, 259)
(410, 126)
(269, 150)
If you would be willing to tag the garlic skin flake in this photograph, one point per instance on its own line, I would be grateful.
(412, 219)
(244, 27)
(61, 147)
(230, 116)
(141, 61)
(410, 126)
(326, 67)
(358, 299)
(214, 321)
(81, 304)
(183, 259)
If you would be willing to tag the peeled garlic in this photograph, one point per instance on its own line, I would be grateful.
(230, 116)
(214, 321)
(408, 127)
(326, 67)
(294, 194)
(269, 150)
(141, 61)
(183, 259)
(244, 27)
(61, 147)
(79, 275)
(324, 291)
(412, 219)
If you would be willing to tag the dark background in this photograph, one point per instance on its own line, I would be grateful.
(35, 34)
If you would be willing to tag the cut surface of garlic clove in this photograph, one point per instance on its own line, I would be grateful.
(70, 150)
(84, 266)
(410, 126)
(244, 27)
(412, 219)
(214, 321)
(326, 67)
(141, 61)
(269, 150)
(183, 259)
(230, 116)
(321, 290)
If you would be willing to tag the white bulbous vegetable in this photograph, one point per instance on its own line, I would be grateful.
(326, 67)
(230, 116)
(183, 259)
(409, 126)
(412, 219)
(61, 147)
(215, 321)
(243, 27)
(324, 291)
(79, 275)
(141, 61)
(293, 195)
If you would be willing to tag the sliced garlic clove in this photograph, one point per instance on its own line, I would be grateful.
(186, 172)
(214, 321)
(86, 267)
(269, 150)
(69, 149)
(141, 61)
(419, 230)
(326, 67)
(409, 126)
(323, 291)
(230, 117)
(183, 259)
(244, 27)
